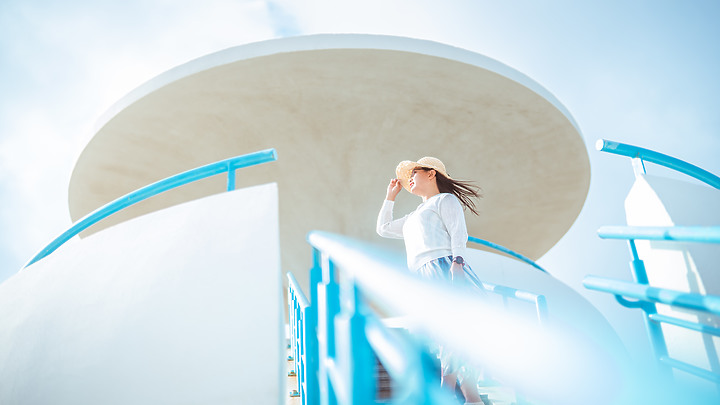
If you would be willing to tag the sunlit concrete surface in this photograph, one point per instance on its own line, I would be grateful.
(180, 306)
(342, 111)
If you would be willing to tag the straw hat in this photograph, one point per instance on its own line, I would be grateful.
(404, 169)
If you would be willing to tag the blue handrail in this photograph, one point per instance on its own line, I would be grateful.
(646, 298)
(703, 234)
(224, 166)
(505, 250)
(644, 292)
(648, 155)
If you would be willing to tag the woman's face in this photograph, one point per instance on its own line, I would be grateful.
(420, 179)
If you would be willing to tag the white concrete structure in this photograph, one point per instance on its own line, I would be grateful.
(342, 111)
(179, 306)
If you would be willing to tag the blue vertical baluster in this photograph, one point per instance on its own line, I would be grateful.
(327, 308)
(357, 356)
(231, 177)
(655, 333)
(310, 333)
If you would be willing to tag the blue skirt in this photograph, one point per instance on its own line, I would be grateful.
(439, 269)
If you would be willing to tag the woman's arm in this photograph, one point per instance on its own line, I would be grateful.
(386, 226)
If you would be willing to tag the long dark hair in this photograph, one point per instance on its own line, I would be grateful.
(465, 191)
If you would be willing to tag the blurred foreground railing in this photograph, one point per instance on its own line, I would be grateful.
(224, 166)
(354, 288)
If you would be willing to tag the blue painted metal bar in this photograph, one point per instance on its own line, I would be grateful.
(647, 155)
(538, 300)
(228, 165)
(361, 367)
(230, 178)
(699, 327)
(331, 390)
(300, 296)
(505, 250)
(707, 303)
(654, 330)
(700, 234)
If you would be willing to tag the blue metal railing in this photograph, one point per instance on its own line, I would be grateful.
(224, 166)
(505, 250)
(645, 293)
(647, 155)
(345, 335)
(646, 297)
(538, 300)
(303, 335)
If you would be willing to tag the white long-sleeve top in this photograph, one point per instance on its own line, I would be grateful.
(435, 229)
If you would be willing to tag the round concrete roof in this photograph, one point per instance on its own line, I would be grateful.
(342, 111)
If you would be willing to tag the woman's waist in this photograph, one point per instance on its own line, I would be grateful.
(421, 258)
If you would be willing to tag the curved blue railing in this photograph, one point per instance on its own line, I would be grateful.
(648, 155)
(506, 251)
(224, 166)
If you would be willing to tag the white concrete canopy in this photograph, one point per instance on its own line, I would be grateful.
(342, 111)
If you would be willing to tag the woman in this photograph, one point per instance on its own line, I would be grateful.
(435, 236)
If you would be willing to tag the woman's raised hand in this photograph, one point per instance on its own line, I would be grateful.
(393, 189)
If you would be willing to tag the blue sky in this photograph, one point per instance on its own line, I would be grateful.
(641, 72)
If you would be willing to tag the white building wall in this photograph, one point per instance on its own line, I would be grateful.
(181, 306)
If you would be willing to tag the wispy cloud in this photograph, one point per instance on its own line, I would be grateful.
(283, 22)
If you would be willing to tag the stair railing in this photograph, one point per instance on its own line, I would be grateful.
(644, 296)
(353, 288)
(505, 250)
(224, 166)
(302, 320)
(641, 155)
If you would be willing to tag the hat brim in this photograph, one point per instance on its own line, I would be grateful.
(404, 169)
(403, 172)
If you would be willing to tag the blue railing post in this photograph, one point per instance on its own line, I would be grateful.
(654, 330)
(231, 177)
(311, 336)
(360, 361)
(328, 306)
